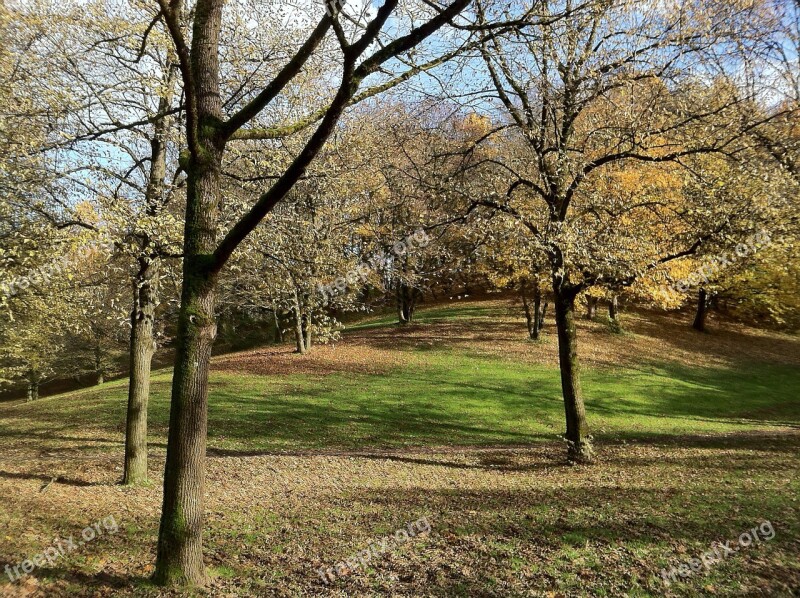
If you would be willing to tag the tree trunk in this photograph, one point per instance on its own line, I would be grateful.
(99, 374)
(533, 317)
(33, 385)
(413, 298)
(530, 319)
(180, 541)
(307, 331)
(299, 335)
(145, 300)
(542, 315)
(180, 537)
(278, 329)
(537, 313)
(591, 308)
(404, 314)
(577, 434)
(299, 326)
(613, 308)
(141, 358)
(702, 308)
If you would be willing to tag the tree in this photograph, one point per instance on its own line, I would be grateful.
(606, 86)
(208, 131)
(110, 142)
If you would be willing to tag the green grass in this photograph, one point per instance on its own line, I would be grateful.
(671, 479)
(455, 398)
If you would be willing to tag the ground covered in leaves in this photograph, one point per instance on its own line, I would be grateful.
(455, 419)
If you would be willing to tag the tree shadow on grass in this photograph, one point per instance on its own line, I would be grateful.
(50, 479)
(755, 440)
(99, 581)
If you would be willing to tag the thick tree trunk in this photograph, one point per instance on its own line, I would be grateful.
(702, 308)
(180, 537)
(141, 358)
(577, 434)
(613, 307)
(591, 308)
(180, 541)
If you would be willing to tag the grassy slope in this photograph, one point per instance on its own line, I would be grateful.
(446, 396)
(690, 454)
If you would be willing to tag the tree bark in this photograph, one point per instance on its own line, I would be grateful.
(180, 547)
(299, 335)
(533, 317)
(99, 374)
(278, 329)
(702, 308)
(591, 308)
(299, 326)
(33, 385)
(542, 315)
(402, 306)
(145, 301)
(141, 358)
(613, 307)
(406, 302)
(180, 538)
(307, 331)
(529, 317)
(577, 433)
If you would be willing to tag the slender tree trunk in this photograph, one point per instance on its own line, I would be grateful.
(299, 326)
(180, 543)
(141, 358)
(299, 335)
(402, 309)
(529, 317)
(145, 301)
(542, 315)
(591, 308)
(577, 434)
(33, 385)
(702, 308)
(411, 305)
(307, 331)
(278, 329)
(613, 307)
(99, 374)
(537, 313)
(533, 317)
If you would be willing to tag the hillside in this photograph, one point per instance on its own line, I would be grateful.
(455, 418)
